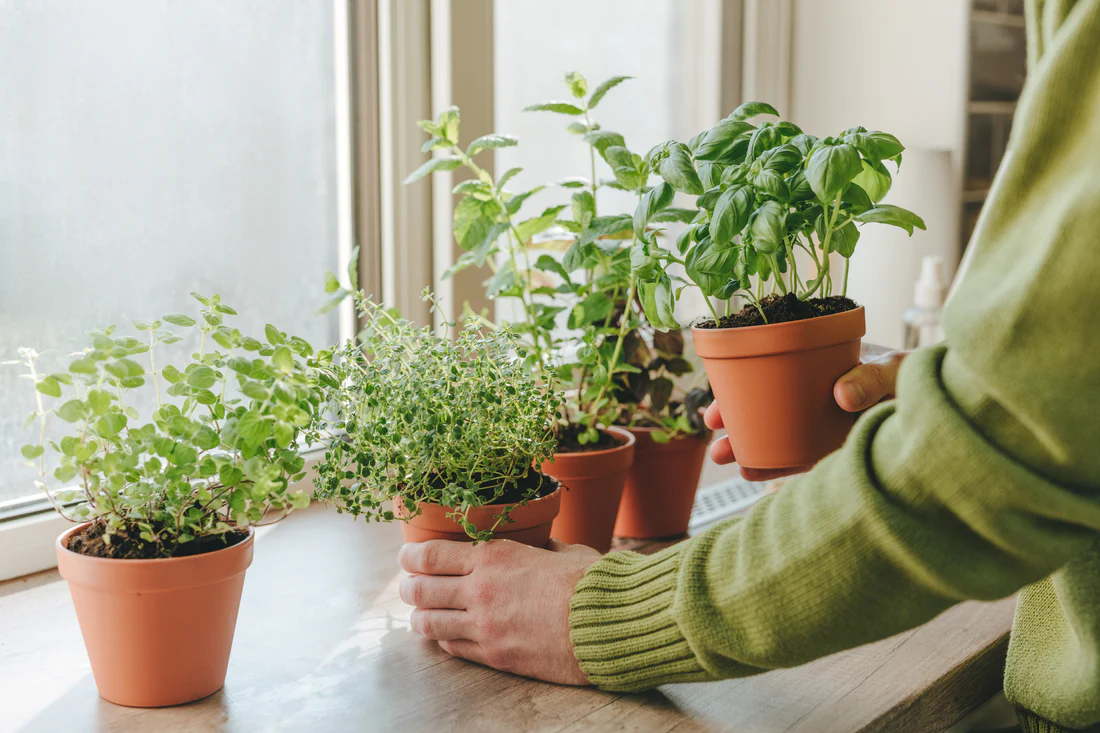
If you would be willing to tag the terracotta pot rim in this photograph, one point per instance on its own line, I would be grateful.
(614, 429)
(496, 506)
(164, 562)
(808, 334)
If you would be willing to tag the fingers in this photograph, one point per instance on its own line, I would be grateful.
(771, 474)
(433, 591)
(441, 625)
(437, 557)
(868, 384)
(464, 649)
(712, 418)
(721, 452)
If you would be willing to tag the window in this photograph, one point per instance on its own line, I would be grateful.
(152, 149)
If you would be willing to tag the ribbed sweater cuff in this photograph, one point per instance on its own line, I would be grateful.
(1032, 723)
(623, 632)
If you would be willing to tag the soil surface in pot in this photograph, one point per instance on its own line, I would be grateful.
(781, 309)
(516, 491)
(568, 441)
(90, 541)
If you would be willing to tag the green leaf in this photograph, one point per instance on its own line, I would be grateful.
(605, 226)
(773, 184)
(284, 433)
(830, 169)
(473, 219)
(110, 425)
(655, 199)
(844, 239)
(442, 163)
(752, 109)
(201, 377)
(283, 360)
(183, 454)
(508, 175)
(678, 170)
(486, 142)
(720, 141)
(274, 335)
(537, 225)
(30, 452)
(229, 475)
(731, 214)
(892, 215)
(179, 319)
(71, 411)
(171, 374)
(604, 88)
(874, 179)
(331, 283)
(769, 226)
(99, 401)
(710, 265)
(83, 365)
(601, 140)
(253, 428)
(48, 386)
(255, 390)
(503, 279)
(564, 108)
(659, 303)
(578, 85)
(353, 270)
(546, 263)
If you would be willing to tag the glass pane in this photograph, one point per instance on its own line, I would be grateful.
(148, 149)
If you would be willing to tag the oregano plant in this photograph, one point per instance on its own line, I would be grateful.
(425, 419)
(764, 193)
(218, 454)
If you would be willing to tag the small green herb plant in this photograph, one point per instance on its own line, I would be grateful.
(460, 423)
(764, 192)
(206, 464)
(596, 289)
(654, 396)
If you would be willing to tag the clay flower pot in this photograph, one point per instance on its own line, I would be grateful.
(774, 386)
(660, 486)
(593, 485)
(530, 525)
(158, 632)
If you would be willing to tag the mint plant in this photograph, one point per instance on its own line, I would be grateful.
(206, 463)
(425, 419)
(764, 192)
(596, 290)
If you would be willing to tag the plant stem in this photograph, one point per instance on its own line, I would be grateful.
(153, 364)
(623, 327)
(847, 265)
(713, 312)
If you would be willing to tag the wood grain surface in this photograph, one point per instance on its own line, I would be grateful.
(323, 644)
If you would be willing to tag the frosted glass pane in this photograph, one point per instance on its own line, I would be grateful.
(149, 148)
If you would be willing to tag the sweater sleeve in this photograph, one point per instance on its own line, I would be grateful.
(982, 477)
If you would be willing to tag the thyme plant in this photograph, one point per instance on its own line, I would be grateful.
(596, 292)
(204, 464)
(764, 193)
(459, 423)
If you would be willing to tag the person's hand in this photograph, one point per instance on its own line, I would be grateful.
(500, 603)
(863, 387)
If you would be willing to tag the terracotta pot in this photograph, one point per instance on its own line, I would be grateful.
(530, 525)
(593, 486)
(774, 386)
(660, 486)
(158, 632)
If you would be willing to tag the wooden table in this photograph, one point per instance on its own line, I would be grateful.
(323, 644)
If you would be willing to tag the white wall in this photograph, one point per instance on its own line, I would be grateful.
(897, 66)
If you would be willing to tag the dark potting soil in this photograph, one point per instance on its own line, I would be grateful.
(517, 490)
(782, 309)
(568, 442)
(89, 541)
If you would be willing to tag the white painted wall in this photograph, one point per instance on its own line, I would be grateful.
(898, 66)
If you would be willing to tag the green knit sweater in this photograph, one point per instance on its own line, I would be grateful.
(981, 478)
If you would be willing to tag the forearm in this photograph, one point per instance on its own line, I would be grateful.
(917, 512)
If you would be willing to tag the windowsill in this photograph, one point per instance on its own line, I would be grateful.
(323, 643)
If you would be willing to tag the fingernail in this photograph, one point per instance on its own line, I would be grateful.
(853, 392)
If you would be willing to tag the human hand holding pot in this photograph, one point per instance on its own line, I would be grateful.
(498, 603)
(861, 388)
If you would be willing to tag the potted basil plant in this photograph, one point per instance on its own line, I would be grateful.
(164, 507)
(445, 436)
(775, 208)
